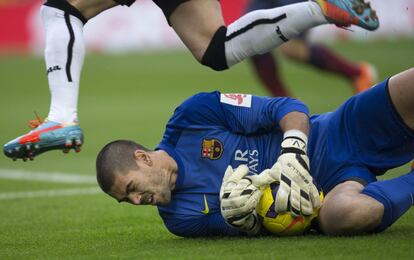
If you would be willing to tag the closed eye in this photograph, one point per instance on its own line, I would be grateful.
(128, 188)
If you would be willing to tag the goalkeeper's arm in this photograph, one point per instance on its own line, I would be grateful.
(297, 121)
(296, 193)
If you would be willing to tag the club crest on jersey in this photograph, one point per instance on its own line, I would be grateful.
(234, 99)
(212, 149)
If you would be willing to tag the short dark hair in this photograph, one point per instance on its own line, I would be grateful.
(115, 157)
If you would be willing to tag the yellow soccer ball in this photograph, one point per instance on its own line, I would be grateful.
(283, 224)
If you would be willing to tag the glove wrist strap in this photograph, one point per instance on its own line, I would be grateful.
(294, 141)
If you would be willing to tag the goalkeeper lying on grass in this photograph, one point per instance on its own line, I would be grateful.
(340, 153)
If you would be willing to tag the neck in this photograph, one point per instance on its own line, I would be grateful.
(168, 165)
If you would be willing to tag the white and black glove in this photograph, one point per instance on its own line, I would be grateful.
(238, 200)
(296, 193)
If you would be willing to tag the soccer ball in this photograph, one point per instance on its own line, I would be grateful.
(282, 224)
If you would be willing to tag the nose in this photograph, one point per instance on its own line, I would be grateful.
(135, 199)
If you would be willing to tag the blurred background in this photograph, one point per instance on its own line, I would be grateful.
(135, 73)
(142, 27)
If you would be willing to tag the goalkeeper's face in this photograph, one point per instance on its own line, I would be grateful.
(146, 186)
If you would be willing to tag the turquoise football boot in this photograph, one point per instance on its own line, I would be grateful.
(344, 13)
(46, 136)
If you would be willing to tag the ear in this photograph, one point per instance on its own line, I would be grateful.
(143, 156)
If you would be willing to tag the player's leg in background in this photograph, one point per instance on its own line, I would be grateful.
(64, 56)
(361, 75)
(196, 23)
(266, 67)
(200, 25)
(65, 48)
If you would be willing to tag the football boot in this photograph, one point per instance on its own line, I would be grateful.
(45, 136)
(344, 13)
(366, 79)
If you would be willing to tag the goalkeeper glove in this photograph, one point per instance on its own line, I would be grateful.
(291, 171)
(296, 184)
(238, 200)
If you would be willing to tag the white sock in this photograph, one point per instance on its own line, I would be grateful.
(64, 55)
(261, 31)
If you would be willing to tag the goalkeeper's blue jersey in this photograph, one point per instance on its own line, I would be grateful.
(208, 132)
(363, 138)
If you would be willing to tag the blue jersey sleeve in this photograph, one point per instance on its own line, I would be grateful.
(238, 113)
(264, 113)
(183, 216)
(200, 226)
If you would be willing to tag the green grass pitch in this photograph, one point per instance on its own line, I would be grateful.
(132, 96)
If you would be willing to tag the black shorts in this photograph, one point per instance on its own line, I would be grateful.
(167, 6)
(125, 2)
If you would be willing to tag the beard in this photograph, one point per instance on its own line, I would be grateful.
(164, 199)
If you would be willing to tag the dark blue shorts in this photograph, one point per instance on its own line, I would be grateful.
(362, 139)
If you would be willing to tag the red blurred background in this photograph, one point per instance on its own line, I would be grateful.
(21, 30)
(16, 33)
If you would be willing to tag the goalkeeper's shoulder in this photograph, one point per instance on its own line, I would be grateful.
(199, 109)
